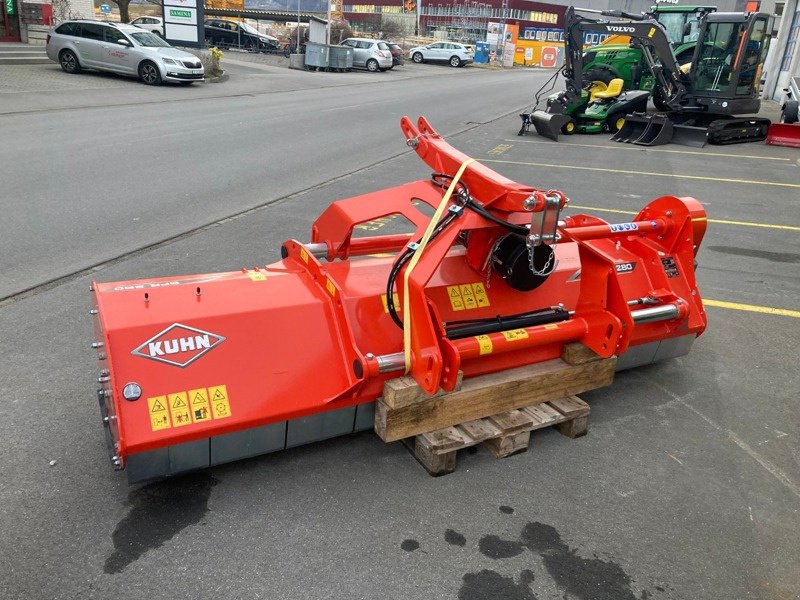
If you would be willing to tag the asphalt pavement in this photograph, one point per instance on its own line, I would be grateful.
(686, 487)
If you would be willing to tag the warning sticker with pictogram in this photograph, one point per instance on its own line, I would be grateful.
(218, 395)
(159, 416)
(256, 275)
(179, 407)
(485, 344)
(468, 296)
(199, 406)
(480, 294)
(514, 334)
(455, 297)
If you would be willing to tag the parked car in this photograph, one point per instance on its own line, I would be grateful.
(397, 54)
(373, 55)
(457, 55)
(232, 34)
(152, 24)
(120, 48)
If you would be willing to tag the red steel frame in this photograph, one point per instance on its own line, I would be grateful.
(302, 336)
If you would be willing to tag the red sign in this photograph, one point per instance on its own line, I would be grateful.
(549, 56)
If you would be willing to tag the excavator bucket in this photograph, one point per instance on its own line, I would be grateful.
(784, 134)
(634, 126)
(549, 125)
(689, 135)
(657, 133)
(200, 370)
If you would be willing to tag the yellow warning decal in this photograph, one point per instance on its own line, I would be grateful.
(480, 295)
(194, 406)
(159, 416)
(651, 32)
(219, 401)
(468, 296)
(454, 293)
(551, 326)
(485, 343)
(330, 287)
(395, 298)
(179, 407)
(514, 334)
(199, 406)
(257, 276)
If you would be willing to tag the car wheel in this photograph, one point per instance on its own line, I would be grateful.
(249, 46)
(69, 62)
(372, 65)
(149, 73)
(455, 61)
(417, 58)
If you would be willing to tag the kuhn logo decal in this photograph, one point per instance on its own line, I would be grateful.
(620, 29)
(178, 345)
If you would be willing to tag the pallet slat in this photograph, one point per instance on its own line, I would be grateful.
(484, 396)
(504, 434)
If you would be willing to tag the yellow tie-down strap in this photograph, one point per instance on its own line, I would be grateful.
(418, 253)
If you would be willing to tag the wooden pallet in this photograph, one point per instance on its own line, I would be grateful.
(405, 410)
(504, 434)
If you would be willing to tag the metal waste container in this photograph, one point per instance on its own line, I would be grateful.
(317, 56)
(341, 57)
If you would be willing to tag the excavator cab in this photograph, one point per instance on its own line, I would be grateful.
(728, 60)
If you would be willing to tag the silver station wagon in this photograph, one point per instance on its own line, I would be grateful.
(123, 49)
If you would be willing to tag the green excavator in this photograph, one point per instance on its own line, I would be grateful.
(700, 100)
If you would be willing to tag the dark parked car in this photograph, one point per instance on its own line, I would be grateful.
(397, 54)
(232, 34)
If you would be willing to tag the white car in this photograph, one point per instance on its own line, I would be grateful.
(456, 55)
(153, 24)
(374, 55)
(120, 48)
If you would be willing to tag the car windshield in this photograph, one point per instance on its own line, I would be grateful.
(147, 39)
(249, 29)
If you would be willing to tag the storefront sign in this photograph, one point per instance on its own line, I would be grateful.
(183, 23)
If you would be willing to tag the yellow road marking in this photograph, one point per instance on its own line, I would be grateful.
(623, 147)
(717, 221)
(769, 310)
(626, 172)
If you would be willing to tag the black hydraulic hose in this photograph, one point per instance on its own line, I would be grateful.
(500, 323)
(472, 204)
(404, 257)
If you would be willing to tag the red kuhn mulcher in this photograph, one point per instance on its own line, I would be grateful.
(200, 370)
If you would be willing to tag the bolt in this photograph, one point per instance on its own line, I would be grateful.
(101, 355)
(106, 420)
(102, 379)
(93, 311)
(103, 372)
(369, 356)
(97, 344)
